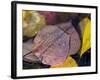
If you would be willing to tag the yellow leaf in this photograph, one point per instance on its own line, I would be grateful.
(32, 22)
(85, 26)
(69, 62)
